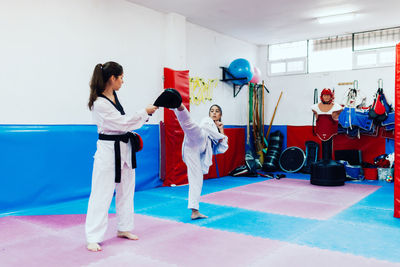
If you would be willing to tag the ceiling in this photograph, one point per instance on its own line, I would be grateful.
(275, 21)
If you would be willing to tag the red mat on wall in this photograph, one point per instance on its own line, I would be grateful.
(233, 157)
(173, 168)
(397, 137)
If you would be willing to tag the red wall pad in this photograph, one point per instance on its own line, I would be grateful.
(370, 146)
(233, 157)
(298, 135)
(175, 169)
(397, 137)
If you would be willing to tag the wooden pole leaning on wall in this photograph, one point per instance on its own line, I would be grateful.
(263, 122)
(273, 116)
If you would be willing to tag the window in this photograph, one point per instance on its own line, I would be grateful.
(287, 58)
(387, 56)
(376, 39)
(351, 51)
(296, 65)
(288, 66)
(367, 59)
(330, 54)
(287, 50)
(374, 58)
(375, 48)
(278, 67)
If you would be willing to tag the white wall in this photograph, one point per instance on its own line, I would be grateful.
(175, 42)
(206, 52)
(49, 48)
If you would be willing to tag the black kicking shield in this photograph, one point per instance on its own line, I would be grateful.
(170, 98)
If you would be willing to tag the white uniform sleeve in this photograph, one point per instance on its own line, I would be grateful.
(222, 147)
(221, 140)
(111, 119)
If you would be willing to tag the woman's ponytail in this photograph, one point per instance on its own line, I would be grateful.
(101, 74)
(97, 84)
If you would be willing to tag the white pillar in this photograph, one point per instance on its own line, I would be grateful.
(175, 42)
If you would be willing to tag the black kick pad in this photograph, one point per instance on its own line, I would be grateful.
(170, 98)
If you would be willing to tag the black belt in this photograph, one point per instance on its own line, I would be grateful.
(117, 150)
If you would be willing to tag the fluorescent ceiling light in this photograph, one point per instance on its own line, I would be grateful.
(336, 18)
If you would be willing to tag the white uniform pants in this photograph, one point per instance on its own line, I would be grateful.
(103, 185)
(194, 145)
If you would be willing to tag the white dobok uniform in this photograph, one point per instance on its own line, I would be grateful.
(110, 121)
(199, 145)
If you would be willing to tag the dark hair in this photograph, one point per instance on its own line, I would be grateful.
(215, 105)
(101, 74)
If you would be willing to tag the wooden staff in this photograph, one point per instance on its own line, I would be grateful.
(263, 128)
(273, 116)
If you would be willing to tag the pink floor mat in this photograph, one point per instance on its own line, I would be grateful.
(292, 197)
(58, 240)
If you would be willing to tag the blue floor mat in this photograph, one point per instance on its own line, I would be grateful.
(359, 239)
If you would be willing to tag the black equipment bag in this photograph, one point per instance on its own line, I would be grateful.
(271, 160)
(312, 149)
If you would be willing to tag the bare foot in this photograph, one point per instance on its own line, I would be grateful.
(197, 215)
(93, 247)
(127, 235)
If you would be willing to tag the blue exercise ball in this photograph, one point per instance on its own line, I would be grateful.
(241, 68)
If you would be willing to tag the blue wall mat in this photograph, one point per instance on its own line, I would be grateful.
(148, 160)
(235, 126)
(48, 164)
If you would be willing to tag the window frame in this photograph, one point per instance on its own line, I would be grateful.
(377, 52)
(373, 48)
(286, 62)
